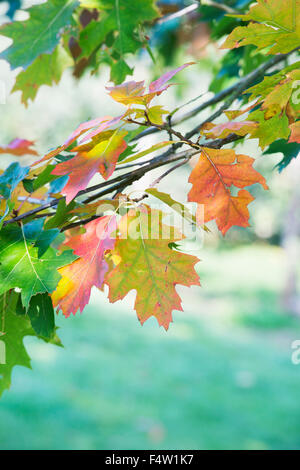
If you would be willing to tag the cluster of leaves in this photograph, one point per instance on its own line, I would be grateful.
(79, 34)
(52, 259)
(274, 27)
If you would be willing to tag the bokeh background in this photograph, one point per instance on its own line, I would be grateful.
(222, 376)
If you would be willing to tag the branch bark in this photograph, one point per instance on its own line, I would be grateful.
(126, 179)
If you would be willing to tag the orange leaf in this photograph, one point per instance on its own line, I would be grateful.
(149, 266)
(19, 147)
(212, 178)
(295, 134)
(74, 289)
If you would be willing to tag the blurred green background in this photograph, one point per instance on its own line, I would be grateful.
(222, 376)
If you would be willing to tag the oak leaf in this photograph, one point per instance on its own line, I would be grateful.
(134, 92)
(150, 266)
(22, 267)
(39, 34)
(223, 130)
(101, 158)
(214, 174)
(98, 125)
(274, 23)
(74, 288)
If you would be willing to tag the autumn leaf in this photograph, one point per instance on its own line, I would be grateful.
(295, 134)
(19, 147)
(274, 23)
(133, 92)
(149, 266)
(154, 114)
(98, 125)
(212, 178)
(159, 85)
(128, 93)
(276, 93)
(74, 289)
(101, 158)
(223, 130)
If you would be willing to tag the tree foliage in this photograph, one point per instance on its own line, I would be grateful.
(61, 235)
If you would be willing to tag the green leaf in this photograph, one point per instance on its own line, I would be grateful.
(175, 205)
(8, 207)
(289, 150)
(119, 28)
(45, 239)
(95, 34)
(46, 69)
(39, 34)
(41, 314)
(62, 214)
(271, 129)
(272, 23)
(21, 266)
(119, 71)
(44, 177)
(28, 185)
(154, 148)
(15, 328)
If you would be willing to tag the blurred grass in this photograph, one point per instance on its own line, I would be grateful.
(221, 378)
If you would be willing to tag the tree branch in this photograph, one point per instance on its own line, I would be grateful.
(241, 85)
(126, 179)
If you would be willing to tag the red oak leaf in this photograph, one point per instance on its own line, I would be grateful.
(223, 130)
(216, 171)
(100, 124)
(134, 92)
(150, 266)
(74, 288)
(101, 158)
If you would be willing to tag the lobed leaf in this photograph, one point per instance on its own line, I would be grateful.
(214, 174)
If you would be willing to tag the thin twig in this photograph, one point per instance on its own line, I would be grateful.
(221, 6)
(178, 14)
(127, 179)
(242, 84)
(166, 173)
